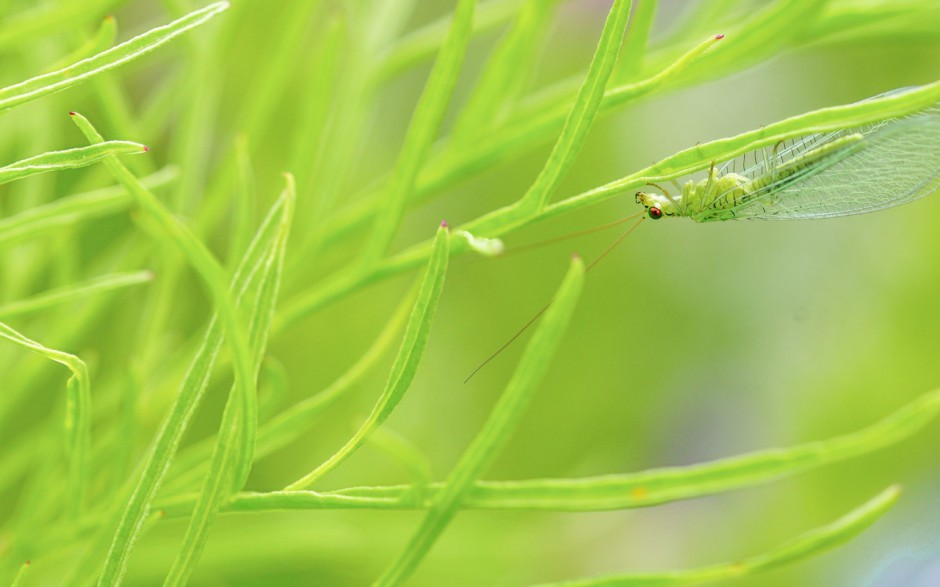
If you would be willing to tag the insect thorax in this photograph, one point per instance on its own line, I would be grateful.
(714, 198)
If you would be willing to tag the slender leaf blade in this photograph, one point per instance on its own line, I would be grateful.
(406, 362)
(37, 87)
(496, 431)
(807, 545)
(68, 159)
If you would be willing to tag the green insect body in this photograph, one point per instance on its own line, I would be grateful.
(822, 175)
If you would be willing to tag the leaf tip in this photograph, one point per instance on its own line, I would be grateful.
(719, 37)
(72, 113)
(444, 224)
(146, 149)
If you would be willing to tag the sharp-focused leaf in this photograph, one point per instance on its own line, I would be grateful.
(43, 85)
(69, 159)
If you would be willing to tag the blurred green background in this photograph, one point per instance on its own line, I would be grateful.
(691, 342)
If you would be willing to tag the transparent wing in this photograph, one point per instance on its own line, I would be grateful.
(897, 162)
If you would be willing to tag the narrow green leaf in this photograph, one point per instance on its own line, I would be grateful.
(768, 31)
(405, 453)
(77, 414)
(498, 428)
(164, 225)
(20, 579)
(328, 105)
(49, 19)
(422, 44)
(192, 388)
(103, 39)
(636, 40)
(583, 112)
(809, 544)
(538, 120)
(293, 422)
(232, 458)
(423, 129)
(562, 156)
(245, 198)
(843, 22)
(73, 292)
(68, 159)
(659, 486)
(43, 85)
(73, 210)
(503, 77)
(273, 385)
(406, 363)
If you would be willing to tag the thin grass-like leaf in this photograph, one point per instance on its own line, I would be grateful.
(192, 388)
(231, 460)
(405, 453)
(77, 414)
(102, 40)
(43, 85)
(683, 163)
(566, 148)
(769, 30)
(73, 292)
(498, 427)
(422, 44)
(423, 129)
(582, 112)
(534, 123)
(50, 19)
(636, 40)
(809, 544)
(652, 487)
(290, 424)
(502, 80)
(164, 225)
(406, 362)
(68, 159)
(20, 579)
(74, 210)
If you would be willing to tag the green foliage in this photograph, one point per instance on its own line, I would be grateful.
(196, 330)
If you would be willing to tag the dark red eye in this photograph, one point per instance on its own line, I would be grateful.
(655, 213)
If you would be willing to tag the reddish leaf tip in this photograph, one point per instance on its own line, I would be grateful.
(719, 37)
(146, 148)
(72, 113)
(443, 224)
(575, 256)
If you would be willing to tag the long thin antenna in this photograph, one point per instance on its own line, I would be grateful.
(538, 314)
(558, 239)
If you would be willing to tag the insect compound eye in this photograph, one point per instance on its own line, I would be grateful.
(655, 213)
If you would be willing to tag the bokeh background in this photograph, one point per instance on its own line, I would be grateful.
(691, 342)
